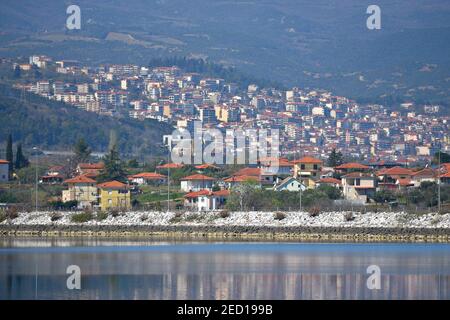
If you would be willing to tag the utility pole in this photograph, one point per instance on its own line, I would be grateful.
(168, 176)
(301, 191)
(36, 177)
(439, 181)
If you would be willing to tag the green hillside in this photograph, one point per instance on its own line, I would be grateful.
(57, 126)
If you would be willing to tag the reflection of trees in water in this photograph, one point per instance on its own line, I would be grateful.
(175, 273)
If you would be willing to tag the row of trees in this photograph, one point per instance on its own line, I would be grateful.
(20, 160)
(249, 196)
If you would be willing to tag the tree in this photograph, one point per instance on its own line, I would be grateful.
(82, 151)
(332, 193)
(112, 139)
(384, 196)
(243, 196)
(113, 169)
(21, 161)
(9, 154)
(335, 158)
(17, 72)
(445, 157)
(36, 72)
(133, 163)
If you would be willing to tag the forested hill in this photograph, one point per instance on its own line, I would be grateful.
(52, 125)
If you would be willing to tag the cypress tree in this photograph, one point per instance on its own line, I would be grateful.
(21, 161)
(9, 154)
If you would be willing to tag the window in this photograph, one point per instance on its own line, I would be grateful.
(315, 167)
(302, 167)
(358, 182)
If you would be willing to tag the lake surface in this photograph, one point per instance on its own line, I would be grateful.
(36, 269)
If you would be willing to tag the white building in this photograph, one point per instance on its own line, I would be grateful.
(358, 187)
(4, 171)
(205, 200)
(196, 182)
(148, 178)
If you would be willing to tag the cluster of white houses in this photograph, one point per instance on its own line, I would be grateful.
(358, 182)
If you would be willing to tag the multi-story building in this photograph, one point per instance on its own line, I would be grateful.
(81, 189)
(114, 195)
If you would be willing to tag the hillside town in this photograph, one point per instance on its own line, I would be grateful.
(311, 122)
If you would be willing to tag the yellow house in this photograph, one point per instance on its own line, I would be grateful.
(307, 167)
(81, 189)
(114, 195)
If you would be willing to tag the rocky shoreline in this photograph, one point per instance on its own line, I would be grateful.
(197, 232)
(255, 226)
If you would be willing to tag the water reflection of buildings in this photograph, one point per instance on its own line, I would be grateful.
(236, 286)
(177, 274)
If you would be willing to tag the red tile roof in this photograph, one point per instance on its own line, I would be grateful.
(427, 172)
(197, 177)
(80, 179)
(357, 175)
(195, 194)
(309, 160)
(3, 162)
(330, 180)
(170, 166)
(352, 165)
(255, 172)
(282, 162)
(395, 171)
(112, 185)
(206, 166)
(148, 175)
(96, 166)
(222, 193)
(404, 182)
(445, 167)
(243, 178)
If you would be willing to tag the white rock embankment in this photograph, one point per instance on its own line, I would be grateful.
(257, 219)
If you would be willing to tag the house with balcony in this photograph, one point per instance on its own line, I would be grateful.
(389, 178)
(81, 189)
(197, 182)
(307, 167)
(54, 175)
(359, 187)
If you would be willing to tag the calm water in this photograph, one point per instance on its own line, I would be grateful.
(31, 269)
